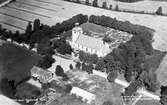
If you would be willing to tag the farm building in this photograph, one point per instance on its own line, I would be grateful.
(43, 75)
(99, 73)
(87, 43)
(84, 94)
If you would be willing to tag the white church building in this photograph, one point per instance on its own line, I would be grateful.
(87, 43)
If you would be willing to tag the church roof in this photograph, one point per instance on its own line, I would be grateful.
(93, 43)
(77, 29)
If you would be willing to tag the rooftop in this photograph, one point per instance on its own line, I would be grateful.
(41, 74)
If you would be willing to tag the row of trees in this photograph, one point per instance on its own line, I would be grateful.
(105, 6)
(88, 58)
(88, 67)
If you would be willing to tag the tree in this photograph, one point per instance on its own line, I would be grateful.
(104, 5)
(37, 37)
(62, 46)
(163, 97)
(46, 61)
(95, 3)
(83, 66)
(7, 87)
(46, 29)
(65, 77)
(77, 1)
(89, 68)
(59, 71)
(107, 103)
(71, 67)
(110, 7)
(78, 65)
(159, 11)
(112, 75)
(28, 32)
(117, 8)
(68, 88)
(88, 58)
(43, 49)
(36, 25)
(100, 65)
(87, 2)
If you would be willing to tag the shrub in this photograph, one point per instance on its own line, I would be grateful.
(110, 7)
(112, 75)
(87, 2)
(59, 71)
(71, 66)
(78, 65)
(95, 3)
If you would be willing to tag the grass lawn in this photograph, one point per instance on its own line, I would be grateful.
(17, 61)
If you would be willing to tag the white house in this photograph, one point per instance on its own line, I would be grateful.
(87, 43)
(84, 94)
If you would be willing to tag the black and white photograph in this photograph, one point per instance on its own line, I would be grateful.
(83, 52)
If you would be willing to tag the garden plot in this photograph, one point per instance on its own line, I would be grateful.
(12, 28)
(28, 8)
(13, 21)
(22, 14)
(43, 5)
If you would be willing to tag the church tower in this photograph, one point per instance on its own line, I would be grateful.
(76, 31)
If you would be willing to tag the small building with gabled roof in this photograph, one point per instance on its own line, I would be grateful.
(42, 75)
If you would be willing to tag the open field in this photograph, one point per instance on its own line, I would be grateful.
(50, 12)
(144, 5)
